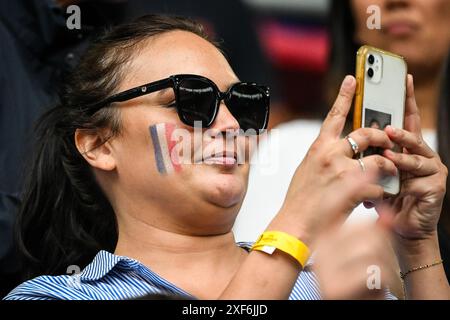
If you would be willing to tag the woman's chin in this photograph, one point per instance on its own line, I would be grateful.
(226, 191)
(222, 186)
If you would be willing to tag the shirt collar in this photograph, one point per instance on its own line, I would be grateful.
(105, 261)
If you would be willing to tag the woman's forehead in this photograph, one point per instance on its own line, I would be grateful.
(178, 52)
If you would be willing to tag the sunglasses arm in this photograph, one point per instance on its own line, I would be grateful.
(133, 93)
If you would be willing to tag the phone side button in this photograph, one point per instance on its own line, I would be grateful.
(358, 86)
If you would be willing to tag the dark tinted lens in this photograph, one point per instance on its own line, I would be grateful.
(249, 105)
(196, 101)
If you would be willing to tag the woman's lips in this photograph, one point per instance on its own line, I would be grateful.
(222, 158)
(400, 28)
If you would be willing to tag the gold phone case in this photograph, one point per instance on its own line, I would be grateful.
(361, 58)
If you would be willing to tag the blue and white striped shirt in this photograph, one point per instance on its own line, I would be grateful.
(112, 277)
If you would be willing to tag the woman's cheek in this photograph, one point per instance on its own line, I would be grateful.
(174, 146)
(165, 148)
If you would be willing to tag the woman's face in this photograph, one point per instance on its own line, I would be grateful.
(195, 198)
(374, 124)
(419, 30)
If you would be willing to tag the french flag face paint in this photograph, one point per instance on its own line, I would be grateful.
(163, 144)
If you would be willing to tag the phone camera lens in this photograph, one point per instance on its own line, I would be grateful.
(371, 59)
(370, 72)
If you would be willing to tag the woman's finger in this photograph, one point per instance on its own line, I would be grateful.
(414, 164)
(413, 142)
(369, 204)
(367, 137)
(418, 187)
(378, 165)
(386, 216)
(334, 122)
(371, 193)
(412, 116)
(360, 184)
(392, 203)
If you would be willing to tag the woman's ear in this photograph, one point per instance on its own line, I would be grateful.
(93, 147)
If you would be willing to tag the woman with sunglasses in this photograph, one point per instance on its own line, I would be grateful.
(102, 203)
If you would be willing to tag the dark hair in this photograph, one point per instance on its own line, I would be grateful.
(342, 62)
(343, 48)
(444, 144)
(65, 218)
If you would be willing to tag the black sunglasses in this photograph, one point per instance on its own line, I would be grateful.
(198, 99)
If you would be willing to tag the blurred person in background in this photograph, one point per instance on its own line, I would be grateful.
(409, 28)
(419, 30)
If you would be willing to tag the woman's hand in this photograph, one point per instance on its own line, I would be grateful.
(354, 262)
(416, 210)
(329, 183)
(418, 206)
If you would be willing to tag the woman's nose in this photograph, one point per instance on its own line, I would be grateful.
(396, 4)
(225, 120)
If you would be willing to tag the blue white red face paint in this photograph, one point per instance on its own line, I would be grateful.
(174, 146)
(163, 144)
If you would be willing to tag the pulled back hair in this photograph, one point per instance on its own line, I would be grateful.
(65, 218)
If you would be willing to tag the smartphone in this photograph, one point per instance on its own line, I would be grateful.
(380, 99)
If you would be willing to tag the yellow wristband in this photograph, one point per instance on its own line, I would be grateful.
(271, 240)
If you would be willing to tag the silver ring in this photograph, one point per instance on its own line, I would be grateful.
(353, 144)
(361, 163)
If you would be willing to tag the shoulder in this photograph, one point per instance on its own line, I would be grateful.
(67, 287)
(62, 287)
(107, 277)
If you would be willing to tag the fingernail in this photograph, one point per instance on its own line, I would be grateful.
(391, 128)
(348, 81)
(368, 204)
